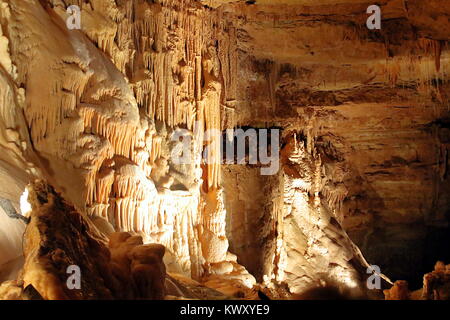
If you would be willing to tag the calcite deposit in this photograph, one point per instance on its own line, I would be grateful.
(98, 113)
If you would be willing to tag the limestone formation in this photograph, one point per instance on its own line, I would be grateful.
(99, 113)
(58, 239)
(436, 286)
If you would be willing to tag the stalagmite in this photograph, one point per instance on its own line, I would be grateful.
(98, 113)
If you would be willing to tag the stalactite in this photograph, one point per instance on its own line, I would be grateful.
(432, 47)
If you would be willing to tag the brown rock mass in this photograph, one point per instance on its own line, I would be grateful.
(100, 114)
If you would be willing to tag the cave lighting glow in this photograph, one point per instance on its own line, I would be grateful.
(25, 206)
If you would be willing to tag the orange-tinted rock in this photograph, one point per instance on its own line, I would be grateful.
(436, 284)
(399, 291)
(59, 237)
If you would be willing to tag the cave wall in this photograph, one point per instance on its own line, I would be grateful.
(92, 120)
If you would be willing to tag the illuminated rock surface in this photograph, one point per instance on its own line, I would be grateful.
(364, 119)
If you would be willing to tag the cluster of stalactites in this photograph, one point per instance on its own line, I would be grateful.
(165, 51)
(426, 62)
(167, 63)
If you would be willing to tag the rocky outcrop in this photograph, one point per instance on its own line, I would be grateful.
(101, 112)
(372, 104)
(436, 284)
(116, 91)
(67, 258)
